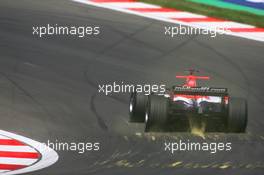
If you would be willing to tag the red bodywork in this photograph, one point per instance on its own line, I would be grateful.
(191, 82)
(191, 79)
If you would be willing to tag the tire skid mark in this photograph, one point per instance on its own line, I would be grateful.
(232, 63)
(100, 121)
(106, 49)
(28, 94)
(125, 37)
(165, 55)
(95, 86)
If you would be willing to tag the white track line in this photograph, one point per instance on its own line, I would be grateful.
(3, 171)
(129, 5)
(3, 137)
(17, 161)
(175, 15)
(227, 24)
(254, 35)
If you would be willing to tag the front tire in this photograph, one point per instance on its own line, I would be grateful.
(157, 112)
(237, 118)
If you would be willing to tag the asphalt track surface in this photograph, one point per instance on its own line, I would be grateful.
(49, 89)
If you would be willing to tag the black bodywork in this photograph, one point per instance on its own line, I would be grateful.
(215, 113)
(180, 106)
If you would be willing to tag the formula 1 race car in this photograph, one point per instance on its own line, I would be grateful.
(180, 104)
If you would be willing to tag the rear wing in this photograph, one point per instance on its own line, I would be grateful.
(213, 91)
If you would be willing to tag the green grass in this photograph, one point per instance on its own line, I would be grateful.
(233, 15)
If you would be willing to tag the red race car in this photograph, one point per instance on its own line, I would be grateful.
(180, 104)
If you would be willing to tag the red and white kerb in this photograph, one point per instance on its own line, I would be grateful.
(20, 154)
(16, 155)
(179, 17)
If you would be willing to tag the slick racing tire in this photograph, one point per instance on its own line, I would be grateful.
(157, 112)
(137, 107)
(237, 118)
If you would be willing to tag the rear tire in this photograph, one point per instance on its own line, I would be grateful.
(137, 107)
(157, 112)
(237, 118)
